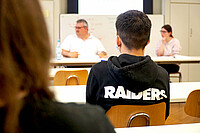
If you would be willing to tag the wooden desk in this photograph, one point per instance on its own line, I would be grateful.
(75, 62)
(89, 62)
(178, 92)
(176, 60)
(179, 128)
(66, 94)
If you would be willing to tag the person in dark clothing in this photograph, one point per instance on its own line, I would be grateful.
(46, 116)
(26, 103)
(130, 78)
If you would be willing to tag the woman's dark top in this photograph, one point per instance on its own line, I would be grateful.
(53, 117)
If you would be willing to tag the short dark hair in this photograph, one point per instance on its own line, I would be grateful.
(133, 27)
(168, 28)
(85, 23)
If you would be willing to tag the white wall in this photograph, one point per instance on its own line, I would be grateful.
(59, 6)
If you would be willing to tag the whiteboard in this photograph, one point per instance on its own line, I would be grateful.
(103, 27)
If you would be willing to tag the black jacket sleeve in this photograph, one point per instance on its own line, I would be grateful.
(91, 88)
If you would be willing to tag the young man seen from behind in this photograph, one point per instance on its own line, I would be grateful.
(130, 78)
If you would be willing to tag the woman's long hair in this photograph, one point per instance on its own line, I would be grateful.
(24, 57)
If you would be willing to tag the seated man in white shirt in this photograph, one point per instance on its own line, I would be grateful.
(82, 44)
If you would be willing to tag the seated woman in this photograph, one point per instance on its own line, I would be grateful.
(168, 46)
(26, 103)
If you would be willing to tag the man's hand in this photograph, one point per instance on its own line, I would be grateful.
(163, 40)
(73, 54)
(69, 54)
(103, 55)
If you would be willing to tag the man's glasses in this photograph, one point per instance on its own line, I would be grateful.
(78, 27)
(162, 31)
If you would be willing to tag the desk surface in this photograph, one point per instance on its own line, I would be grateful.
(176, 59)
(90, 62)
(180, 128)
(75, 61)
(74, 93)
(178, 92)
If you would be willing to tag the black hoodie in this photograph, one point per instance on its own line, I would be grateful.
(127, 79)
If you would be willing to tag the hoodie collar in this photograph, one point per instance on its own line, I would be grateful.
(134, 72)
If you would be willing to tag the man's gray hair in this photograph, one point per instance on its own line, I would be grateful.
(85, 23)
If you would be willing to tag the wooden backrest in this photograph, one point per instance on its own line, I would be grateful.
(144, 115)
(192, 104)
(70, 77)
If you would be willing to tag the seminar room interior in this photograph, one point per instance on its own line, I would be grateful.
(182, 15)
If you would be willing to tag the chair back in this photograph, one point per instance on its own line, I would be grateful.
(70, 77)
(192, 104)
(137, 115)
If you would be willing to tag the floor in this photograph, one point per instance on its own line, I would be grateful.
(178, 116)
